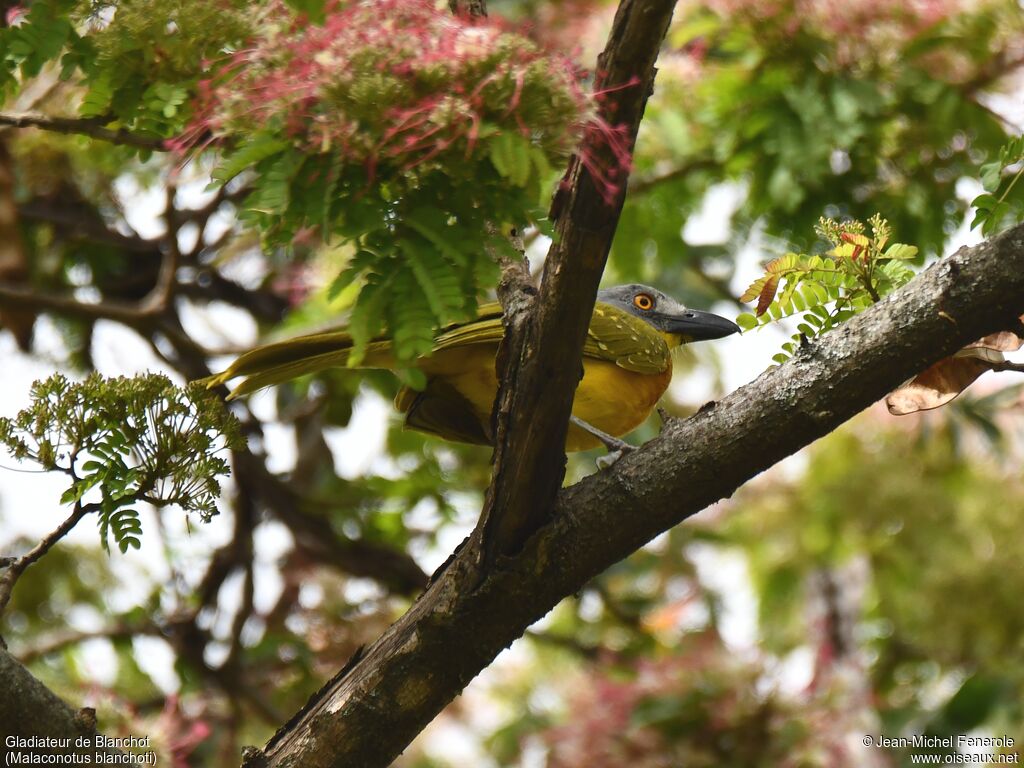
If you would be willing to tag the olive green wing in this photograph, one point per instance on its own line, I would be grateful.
(614, 335)
(285, 360)
(486, 329)
(626, 340)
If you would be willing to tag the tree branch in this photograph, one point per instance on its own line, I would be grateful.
(646, 184)
(60, 641)
(1007, 365)
(28, 708)
(371, 711)
(129, 314)
(390, 566)
(80, 126)
(14, 571)
(78, 222)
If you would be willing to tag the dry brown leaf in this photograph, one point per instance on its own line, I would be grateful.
(947, 378)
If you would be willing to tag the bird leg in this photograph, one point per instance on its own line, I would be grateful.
(616, 448)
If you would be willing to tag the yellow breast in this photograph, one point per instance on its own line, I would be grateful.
(609, 397)
(614, 400)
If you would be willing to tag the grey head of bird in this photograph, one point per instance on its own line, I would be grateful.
(667, 315)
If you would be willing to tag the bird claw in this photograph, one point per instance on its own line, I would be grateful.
(609, 459)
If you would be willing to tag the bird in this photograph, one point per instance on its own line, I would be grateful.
(627, 366)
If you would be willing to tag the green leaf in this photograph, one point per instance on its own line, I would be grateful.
(360, 262)
(746, 321)
(991, 176)
(247, 155)
(985, 202)
(900, 251)
(429, 222)
(510, 155)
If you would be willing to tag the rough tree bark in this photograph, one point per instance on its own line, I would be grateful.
(540, 369)
(28, 708)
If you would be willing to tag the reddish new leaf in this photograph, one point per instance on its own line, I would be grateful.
(764, 299)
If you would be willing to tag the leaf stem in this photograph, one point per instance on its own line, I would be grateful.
(1009, 188)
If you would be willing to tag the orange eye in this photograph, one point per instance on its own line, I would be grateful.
(643, 301)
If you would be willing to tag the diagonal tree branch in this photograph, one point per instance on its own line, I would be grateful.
(129, 314)
(373, 709)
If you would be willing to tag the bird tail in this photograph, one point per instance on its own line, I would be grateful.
(285, 360)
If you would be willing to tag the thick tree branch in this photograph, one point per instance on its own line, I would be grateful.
(76, 221)
(315, 536)
(90, 127)
(28, 708)
(367, 715)
(540, 365)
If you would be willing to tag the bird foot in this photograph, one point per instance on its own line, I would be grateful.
(606, 461)
(616, 448)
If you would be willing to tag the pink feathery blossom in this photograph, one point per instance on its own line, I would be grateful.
(394, 85)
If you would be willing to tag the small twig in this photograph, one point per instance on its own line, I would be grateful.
(997, 68)
(61, 641)
(586, 650)
(621, 615)
(718, 285)
(14, 571)
(201, 218)
(245, 612)
(646, 184)
(158, 299)
(1007, 365)
(90, 127)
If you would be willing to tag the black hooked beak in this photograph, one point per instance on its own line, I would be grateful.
(695, 325)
